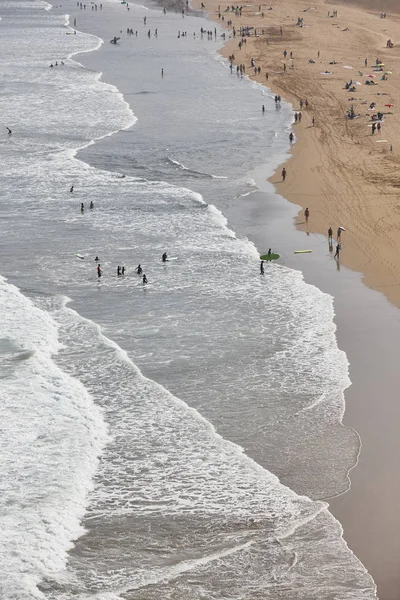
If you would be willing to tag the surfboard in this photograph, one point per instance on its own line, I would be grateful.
(173, 258)
(302, 251)
(270, 256)
(79, 255)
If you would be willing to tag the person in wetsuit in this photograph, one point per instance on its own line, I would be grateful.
(118, 271)
(82, 207)
(164, 257)
(262, 267)
(139, 270)
(144, 279)
(96, 259)
(91, 205)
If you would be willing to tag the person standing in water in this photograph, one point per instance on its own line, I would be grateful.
(164, 257)
(99, 271)
(262, 267)
(144, 279)
(91, 205)
(82, 208)
(330, 234)
(139, 270)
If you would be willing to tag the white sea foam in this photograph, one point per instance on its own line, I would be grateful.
(52, 435)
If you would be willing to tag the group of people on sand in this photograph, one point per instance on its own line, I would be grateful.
(121, 270)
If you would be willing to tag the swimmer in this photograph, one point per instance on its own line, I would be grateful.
(96, 259)
(164, 257)
(144, 279)
(71, 189)
(9, 130)
(139, 270)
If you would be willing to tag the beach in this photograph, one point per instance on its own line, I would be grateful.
(199, 417)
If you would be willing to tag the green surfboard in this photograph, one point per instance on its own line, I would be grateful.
(269, 256)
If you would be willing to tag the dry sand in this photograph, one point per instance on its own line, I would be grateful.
(347, 177)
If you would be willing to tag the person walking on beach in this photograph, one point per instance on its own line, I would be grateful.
(284, 67)
(118, 271)
(339, 234)
(306, 214)
(262, 267)
(337, 253)
(373, 128)
(313, 121)
(91, 206)
(330, 233)
(283, 174)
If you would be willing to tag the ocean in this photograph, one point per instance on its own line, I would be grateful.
(180, 438)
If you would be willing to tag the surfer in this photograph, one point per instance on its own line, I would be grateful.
(91, 205)
(71, 189)
(118, 271)
(144, 279)
(330, 233)
(96, 259)
(139, 270)
(82, 208)
(269, 251)
(9, 130)
(164, 257)
(123, 271)
(99, 271)
(306, 214)
(262, 267)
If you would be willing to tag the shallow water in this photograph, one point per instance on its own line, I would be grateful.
(235, 382)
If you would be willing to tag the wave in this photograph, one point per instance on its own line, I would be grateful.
(192, 172)
(50, 449)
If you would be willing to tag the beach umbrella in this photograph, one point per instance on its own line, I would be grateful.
(389, 105)
(342, 229)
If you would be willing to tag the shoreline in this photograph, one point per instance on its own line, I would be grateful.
(310, 275)
(374, 478)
